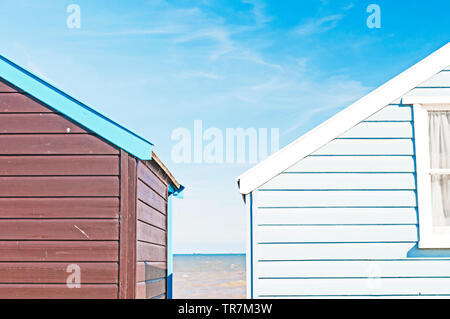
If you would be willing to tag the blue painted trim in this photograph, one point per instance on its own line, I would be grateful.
(422, 252)
(75, 110)
(169, 246)
(251, 245)
(172, 192)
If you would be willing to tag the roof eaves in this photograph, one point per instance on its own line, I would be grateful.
(344, 120)
(75, 110)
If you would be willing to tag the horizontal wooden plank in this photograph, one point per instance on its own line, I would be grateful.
(381, 198)
(147, 290)
(150, 252)
(150, 197)
(355, 164)
(354, 286)
(367, 147)
(150, 215)
(81, 207)
(37, 123)
(57, 291)
(140, 292)
(393, 113)
(148, 270)
(380, 130)
(155, 288)
(442, 79)
(330, 216)
(49, 272)
(428, 92)
(58, 251)
(7, 87)
(89, 186)
(59, 229)
(149, 178)
(21, 103)
(339, 233)
(63, 144)
(150, 234)
(353, 269)
(359, 181)
(332, 251)
(59, 165)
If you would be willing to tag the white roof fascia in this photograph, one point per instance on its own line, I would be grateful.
(344, 120)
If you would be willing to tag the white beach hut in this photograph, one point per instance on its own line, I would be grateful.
(360, 205)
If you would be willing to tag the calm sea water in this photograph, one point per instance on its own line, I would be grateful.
(209, 276)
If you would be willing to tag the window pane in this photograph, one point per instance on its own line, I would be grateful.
(440, 190)
(439, 129)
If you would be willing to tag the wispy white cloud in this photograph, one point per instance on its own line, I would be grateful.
(199, 74)
(315, 26)
(261, 18)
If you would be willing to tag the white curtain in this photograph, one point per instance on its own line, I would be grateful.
(439, 130)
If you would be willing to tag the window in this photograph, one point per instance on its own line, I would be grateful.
(432, 134)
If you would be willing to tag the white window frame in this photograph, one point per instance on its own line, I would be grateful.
(427, 238)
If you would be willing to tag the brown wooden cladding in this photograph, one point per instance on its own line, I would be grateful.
(79, 207)
(58, 229)
(150, 197)
(6, 87)
(150, 270)
(150, 215)
(59, 144)
(46, 251)
(75, 186)
(56, 273)
(57, 291)
(151, 234)
(149, 290)
(59, 204)
(127, 272)
(59, 165)
(37, 123)
(21, 103)
(69, 197)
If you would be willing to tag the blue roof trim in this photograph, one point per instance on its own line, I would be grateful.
(75, 110)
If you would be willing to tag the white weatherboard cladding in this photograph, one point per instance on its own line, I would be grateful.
(336, 216)
(392, 92)
(346, 214)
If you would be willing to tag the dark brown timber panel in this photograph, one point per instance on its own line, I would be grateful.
(6, 87)
(150, 197)
(80, 207)
(152, 190)
(58, 229)
(37, 123)
(59, 204)
(150, 215)
(59, 186)
(21, 103)
(151, 234)
(59, 165)
(127, 265)
(63, 144)
(59, 251)
(56, 273)
(57, 291)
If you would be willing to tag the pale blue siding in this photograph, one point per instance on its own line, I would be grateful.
(344, 222)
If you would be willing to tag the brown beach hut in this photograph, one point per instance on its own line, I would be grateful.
(84, 202)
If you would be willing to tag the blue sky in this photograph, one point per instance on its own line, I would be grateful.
(155, 66)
